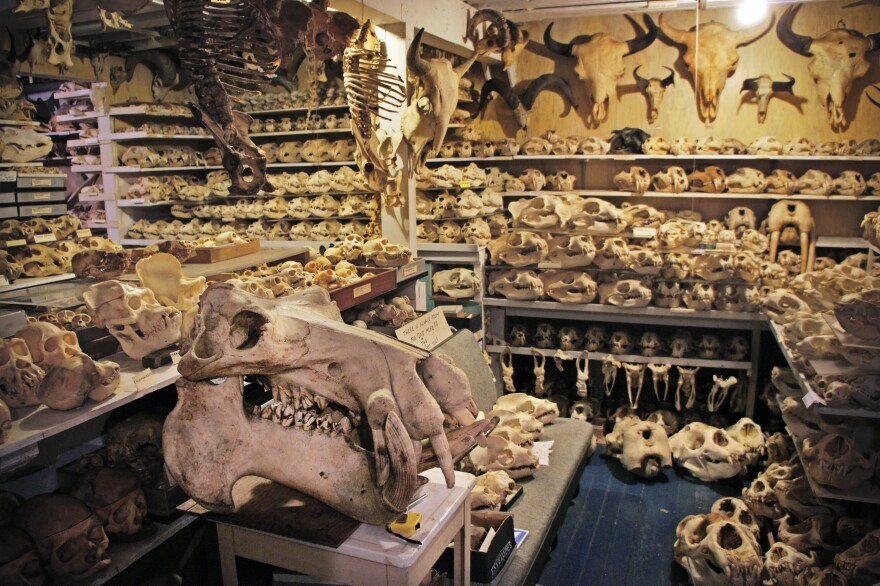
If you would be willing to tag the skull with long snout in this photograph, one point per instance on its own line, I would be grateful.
(837, 59)
(718, 57)
(355, 420)
(763, 88)
(654, 89)
(600, 60)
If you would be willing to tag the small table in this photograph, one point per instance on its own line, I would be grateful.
(371, 555)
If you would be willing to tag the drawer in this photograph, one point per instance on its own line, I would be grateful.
(49, 209)
(53, 182)
(9, 212)
(7, 197)
(37, 197)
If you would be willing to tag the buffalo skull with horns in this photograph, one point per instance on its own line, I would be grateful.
(522, 102)
(763, 87)
(654, 89)
(718, 56)
(600, 60)
(839, 57)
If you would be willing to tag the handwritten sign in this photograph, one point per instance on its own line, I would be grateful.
(427, 332)
(144, 379)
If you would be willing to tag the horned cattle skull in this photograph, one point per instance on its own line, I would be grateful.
(763, 88)
(654, 88)
(718, 57)
(600, 60)
(838, 58)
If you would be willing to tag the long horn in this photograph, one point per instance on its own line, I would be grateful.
(515, 33)
(669, 79)
(875, 42)
(504, 90)
(800, 44)
(675, 35)
(563, 49)
(543, 82)
(750, 85)
(494, 17)
(414, 61)
(642, 40)
(640, 81)
(750, 35)
(873, 101)
(784, 86)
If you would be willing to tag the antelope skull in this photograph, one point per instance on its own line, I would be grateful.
(654, 88)
(764, 88)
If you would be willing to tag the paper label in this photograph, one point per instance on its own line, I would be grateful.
(811, 397)
(84, 233)
(41, 211)
(7, 176)
(644, 232)
(464, 184)
(11, 243)
(175, 357)
(427, 332)
(362, 290)
(542, 450)
(136, 200)
(227, 219)
(550, 264)
(725, 246)
(41, 238)
(624, 157)
(3, 281)
(41, 196)
(144, 379)
(41, 182)
(410, 270)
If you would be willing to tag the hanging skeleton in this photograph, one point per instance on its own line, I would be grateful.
(237, 46)
(370, 90)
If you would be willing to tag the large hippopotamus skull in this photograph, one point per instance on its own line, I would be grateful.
(349, 412)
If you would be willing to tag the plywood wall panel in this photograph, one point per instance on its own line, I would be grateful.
(801, 116)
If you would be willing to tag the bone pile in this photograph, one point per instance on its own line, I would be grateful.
(156, 129)
(388, 312)
(148, 157)
(54, 258)
(20, 144)
(78, 318)
(300, 123)
(43, 364)
(61, 227)
(330, 96)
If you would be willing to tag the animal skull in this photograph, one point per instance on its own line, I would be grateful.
(707, 452)
(640, 446)
(654, 89)
(763, 88)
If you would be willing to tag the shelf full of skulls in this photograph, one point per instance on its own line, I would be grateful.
(170, 183)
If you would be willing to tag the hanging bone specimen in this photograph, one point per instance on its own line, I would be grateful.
(654, 88)
(718, 56)
(432, 102)
(395, 393)
(600, 60)
(687, 387)
(166, 74)
(837, 59)
(501, 35)
(660, 373)
(371, 90)
(521, 102)
(539, 363)
(507, 370)
(763, 88)
(635, 379)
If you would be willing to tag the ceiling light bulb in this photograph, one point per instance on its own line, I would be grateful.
(752, 11)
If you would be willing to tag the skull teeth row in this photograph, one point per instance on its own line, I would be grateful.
(327, 420)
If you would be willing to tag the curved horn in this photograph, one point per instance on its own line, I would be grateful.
(640, 81)
(750, 35)
(414, 61)
(642, 40)
(800, 44)
(494, 17)
(873, 101)
(669, 79)
(749, 85)
(875, 42)
(504, 90)
(784, 86)
(563, 49)
(543, 82)
(515, 33)
(675, 35)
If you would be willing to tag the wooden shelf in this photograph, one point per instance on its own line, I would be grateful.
(142, 135)
(146, 171)
(300, 110)
(643, 157)
(28, 282)
(637, 358)
(84, 93)
(281, 134)
(88, 116)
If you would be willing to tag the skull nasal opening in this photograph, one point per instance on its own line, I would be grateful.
(245, 329)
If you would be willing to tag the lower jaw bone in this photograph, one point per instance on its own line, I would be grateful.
(210, 443)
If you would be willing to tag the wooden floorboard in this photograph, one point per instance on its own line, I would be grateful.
(620, 530)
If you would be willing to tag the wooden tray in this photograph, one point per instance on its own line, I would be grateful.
(220, 253)
(384, 281)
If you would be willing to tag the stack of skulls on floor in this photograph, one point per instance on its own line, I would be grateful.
(779, 533)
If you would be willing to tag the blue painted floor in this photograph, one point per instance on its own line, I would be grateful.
(620, 530)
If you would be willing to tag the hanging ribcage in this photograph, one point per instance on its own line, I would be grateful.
(369, 89)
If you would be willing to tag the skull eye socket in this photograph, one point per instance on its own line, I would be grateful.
(729, 538)
(245, 329)
(720, 439)
(68, 550)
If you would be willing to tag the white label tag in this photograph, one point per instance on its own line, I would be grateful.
(175, 357)
(644, 232)
(144, 379)
(41, 211)
(3, 281)
(411, 270)
(41, 196)
(426, 332)
(624, 157)
(550, 264)
(136, 200)
(811, 397)
(362, 290)
(41, 238)
(84, 233)
(542, 450)
(11, 243)
(6, 176)
(41, 182)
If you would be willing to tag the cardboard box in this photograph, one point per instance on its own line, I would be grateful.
(382, 281)
(485, 566)
(47, 181)
(37, 197)
(9, 212)
(49, 209)
(8, 197)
